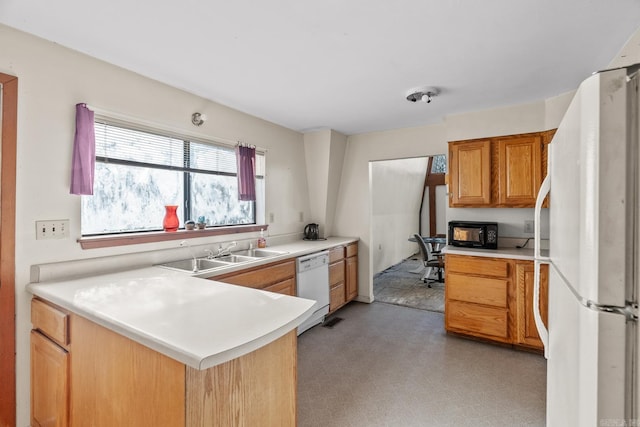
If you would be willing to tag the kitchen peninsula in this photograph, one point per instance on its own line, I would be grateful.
(157, 347)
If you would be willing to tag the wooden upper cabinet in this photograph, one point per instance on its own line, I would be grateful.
(519, 170)
(498, 172)
(470, 173)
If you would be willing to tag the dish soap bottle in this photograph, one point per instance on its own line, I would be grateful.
(262, 242)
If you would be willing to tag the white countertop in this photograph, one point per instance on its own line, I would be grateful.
(512, 253)
(198, 322)
(201, 323)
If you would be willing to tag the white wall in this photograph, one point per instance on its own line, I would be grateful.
(52, 80)
(396, 192)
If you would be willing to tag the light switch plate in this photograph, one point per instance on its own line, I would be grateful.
(52, 229)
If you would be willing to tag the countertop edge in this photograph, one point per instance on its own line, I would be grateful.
(250, 346)
(511, 253)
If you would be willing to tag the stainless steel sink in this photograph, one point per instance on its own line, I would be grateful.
(260, 253)
(234, 258)
(203, 264)
(200, 264)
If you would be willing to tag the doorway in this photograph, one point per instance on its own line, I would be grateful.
(408, 197)
(8, 138)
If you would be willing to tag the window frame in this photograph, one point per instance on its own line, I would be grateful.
(121, 238)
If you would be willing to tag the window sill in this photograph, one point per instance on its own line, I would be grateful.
(112, 240)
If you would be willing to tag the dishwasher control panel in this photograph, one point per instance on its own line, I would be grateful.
(311, 261)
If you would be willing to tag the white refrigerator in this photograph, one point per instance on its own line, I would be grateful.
(591, 342)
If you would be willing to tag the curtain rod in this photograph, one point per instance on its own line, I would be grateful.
(108, 114)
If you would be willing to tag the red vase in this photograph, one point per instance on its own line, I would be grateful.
(171, 222)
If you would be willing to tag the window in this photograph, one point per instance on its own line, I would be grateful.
(439, 164)
(139, 171)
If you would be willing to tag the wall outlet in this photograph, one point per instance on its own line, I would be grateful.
(528, 226)
(301, 216)
(271, 217)
(52, 229)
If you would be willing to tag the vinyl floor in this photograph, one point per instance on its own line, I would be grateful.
(387, 365)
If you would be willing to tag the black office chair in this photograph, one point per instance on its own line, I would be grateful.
(430, 261)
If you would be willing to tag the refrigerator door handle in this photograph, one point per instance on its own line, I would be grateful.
(537, 317)
(544, 190)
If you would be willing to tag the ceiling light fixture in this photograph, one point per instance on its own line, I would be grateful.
(422, 94)
(198, 119)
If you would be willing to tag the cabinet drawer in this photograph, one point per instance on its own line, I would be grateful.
(352, 250)
(336, 254)
(480, 290)
(286, 287)
(336, 273)
(261, 277)
(477, 319)
(495, 267)
(50, 321)
(336, 297)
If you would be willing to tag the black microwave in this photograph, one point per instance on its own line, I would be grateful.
(473, 234)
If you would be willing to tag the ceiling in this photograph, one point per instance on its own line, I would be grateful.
(345, 65)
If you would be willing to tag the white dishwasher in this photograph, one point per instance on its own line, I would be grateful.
(313, 283)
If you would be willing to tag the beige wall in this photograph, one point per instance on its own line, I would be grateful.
(52, 80)
(353, 212)
(324, 154)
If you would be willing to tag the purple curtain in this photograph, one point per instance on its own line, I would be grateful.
(84, 152)
(246, 158)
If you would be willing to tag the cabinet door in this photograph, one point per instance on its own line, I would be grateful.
(352, 277)
(336, 297)
(519, 170)
(470, 173)
(49, 382)
(526, 332)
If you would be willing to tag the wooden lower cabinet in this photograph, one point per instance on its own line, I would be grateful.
(351, 277)
(343, 275)
(105, 379)
(337, 294)
(281, 276)
(526, 331)
(492, 299)
(275, 277)
(49, 382)
(477, 297)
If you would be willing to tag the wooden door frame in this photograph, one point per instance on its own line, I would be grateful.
(9, 107)
(431, 181)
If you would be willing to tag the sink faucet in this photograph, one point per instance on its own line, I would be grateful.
(226, 250)
(194, 264)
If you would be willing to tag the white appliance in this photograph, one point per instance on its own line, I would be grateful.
(313, 283)
(592, 339)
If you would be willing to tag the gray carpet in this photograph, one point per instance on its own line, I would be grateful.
(398, 285)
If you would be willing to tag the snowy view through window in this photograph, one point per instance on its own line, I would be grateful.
(138, 173)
